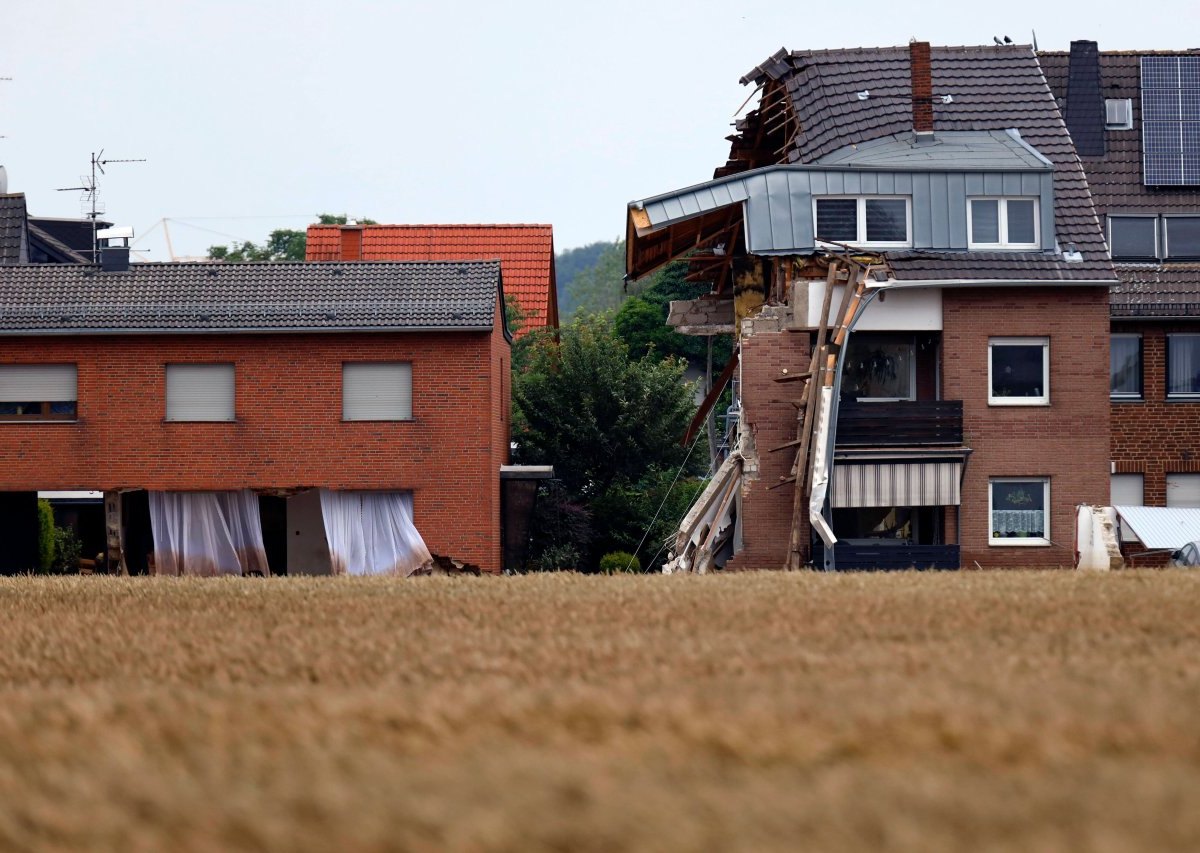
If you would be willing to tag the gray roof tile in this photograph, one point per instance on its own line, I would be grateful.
(12, 227)
(211, 297)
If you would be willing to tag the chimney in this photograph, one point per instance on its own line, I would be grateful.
(1084, 110)
(351, 248)
(922, 86)
(114, 248)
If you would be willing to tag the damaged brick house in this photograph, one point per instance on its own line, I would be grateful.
(314, 418)
(525, 252)
(1135, 119)
(904, 241)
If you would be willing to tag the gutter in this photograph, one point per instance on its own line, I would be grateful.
(246, 330)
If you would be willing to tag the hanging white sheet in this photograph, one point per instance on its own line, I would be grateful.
(207, 533)
(372, 533)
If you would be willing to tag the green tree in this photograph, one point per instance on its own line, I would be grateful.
(606, 423)
(598, 288)
(641, 320)
(569, 263)
(46, 535)
(282, 244)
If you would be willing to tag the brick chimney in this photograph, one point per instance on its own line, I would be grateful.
(922, 86)
(351, 243)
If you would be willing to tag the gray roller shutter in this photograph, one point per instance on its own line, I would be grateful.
(38, 383)
(1127, 490)
(1183, 490)
(200, 392)
(377, 391)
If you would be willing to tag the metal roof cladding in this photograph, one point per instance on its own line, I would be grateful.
(241, 297)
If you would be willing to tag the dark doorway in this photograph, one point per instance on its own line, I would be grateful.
(18, 532)
(273, 510)
(139, 536)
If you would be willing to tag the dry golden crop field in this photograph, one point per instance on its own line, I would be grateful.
(962, 711)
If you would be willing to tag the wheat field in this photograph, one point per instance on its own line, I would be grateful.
(962, 711)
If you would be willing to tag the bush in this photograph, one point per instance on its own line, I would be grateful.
(558, 558)
(46, 537)
(67, 549)
(617, 562)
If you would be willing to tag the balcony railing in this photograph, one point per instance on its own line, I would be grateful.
(888, 557)
(901, 424)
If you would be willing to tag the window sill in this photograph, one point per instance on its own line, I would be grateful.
(39, 420)
(1138, 399)
(170, 421)
(379, 420)
(1020, 542)
(1017, 403)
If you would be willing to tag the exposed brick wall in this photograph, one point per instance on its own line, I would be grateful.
(1067, 441)
(767, 515)
(1151, 436)
(289, 431)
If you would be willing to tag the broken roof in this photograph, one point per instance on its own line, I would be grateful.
(248, 297)
(814, 95)
(526, 254)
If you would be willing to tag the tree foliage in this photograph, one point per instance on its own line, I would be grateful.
(641, 320)
(605, 421)
(596, 288)
(282, 244)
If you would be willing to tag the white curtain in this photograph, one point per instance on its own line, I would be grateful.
(207, 533)
(372, 533)
(1183, 370)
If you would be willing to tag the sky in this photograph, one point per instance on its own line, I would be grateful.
(256, 115)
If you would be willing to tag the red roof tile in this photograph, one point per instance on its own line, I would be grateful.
(526, 254)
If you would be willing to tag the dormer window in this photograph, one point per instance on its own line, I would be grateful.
(879, 221)
(1002, 223)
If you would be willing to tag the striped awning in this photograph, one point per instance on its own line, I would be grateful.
(926, 483)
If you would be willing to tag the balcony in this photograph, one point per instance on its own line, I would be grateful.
(900, 424)
(888, 556)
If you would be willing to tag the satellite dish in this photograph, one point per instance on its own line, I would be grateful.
(3, 180)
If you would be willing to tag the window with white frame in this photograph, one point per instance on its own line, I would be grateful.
(1125, 367)
(39, 392)
(1018, 371)
(866, 220)
(200, 392)
(1182, 237)
(1118, 114)
(1002, 223)
(1018, 509)
(1133, 238)
(377, 391)
(1183, 366)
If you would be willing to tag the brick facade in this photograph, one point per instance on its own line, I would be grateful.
(1154, 436)
(1067, 440)
(289, 431)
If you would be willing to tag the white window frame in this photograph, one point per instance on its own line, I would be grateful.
(195, 366)
(1158, 232)
(1019, 541)
(1002, 210)
(1166, 235)
(1110, 123)
(1044, 399)
(1141, 392)
(861, 215)
(405, 371)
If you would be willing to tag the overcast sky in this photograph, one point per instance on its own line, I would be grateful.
(258, 115)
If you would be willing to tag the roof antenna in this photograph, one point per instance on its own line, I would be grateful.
(92, 206)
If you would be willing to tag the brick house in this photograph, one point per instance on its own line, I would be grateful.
(526, 254)
(952, 411)
(1149, 202)
(293, 383)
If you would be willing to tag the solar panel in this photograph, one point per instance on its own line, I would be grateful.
(1171, 120)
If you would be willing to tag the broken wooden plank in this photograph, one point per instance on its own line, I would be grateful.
(794, 377)
(710, 400)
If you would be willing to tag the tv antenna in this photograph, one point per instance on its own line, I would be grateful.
(90, 203)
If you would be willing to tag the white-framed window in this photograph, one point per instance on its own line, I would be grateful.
(200, 392)
(1183, 367)
(1019, 510)
(38, 392)
(1125, 367)
(999, 222)
(1133, 238)
(1118, 114)
(377, 391)
(1127, 490)
(1018, 371)
(1181, 237)
(884, 221)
